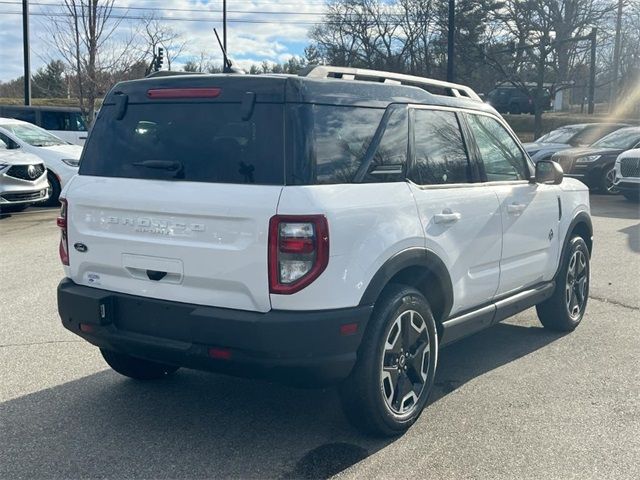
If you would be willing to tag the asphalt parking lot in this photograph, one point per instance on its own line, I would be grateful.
(514, 401)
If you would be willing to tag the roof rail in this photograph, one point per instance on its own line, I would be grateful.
(348, 73)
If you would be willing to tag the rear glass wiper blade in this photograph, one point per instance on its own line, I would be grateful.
(160, 164)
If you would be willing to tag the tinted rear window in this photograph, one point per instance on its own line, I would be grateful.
(197, 142)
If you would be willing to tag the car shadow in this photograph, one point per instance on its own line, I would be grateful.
(195, 425)
(614, 206)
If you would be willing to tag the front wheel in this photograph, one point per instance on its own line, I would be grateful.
(54, 191)
(607, 184)
(565, 309)
(136, 368)
(391, 382)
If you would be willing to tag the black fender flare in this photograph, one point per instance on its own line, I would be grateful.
(581, 217)
(410, 257)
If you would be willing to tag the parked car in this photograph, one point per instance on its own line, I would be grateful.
(509, 99)
(23, 179)
(595, 165)
(335, 226)
(564, 138)
(60, 157)
(64, 122)
(628, 174)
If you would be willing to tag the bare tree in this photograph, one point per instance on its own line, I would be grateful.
(157, 34)
(84, 37)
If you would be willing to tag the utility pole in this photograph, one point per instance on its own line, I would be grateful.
(592, 72)
(613, 97)
(224, 24)
(27, 56)
(451, 74)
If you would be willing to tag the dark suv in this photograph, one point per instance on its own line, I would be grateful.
(509, 99)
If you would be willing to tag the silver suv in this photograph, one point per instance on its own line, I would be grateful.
(23, 179)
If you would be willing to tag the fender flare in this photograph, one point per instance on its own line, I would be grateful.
(580, 217)
(410, 257)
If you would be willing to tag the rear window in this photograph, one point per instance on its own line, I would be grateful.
(197, 142)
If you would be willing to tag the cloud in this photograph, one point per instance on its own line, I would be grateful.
(257, 30)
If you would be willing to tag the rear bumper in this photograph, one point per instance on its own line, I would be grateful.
(296, 346)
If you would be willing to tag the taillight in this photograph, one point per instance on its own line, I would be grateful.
(298, 251)
(62, 223)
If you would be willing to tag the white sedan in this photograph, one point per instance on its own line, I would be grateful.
(61, 158)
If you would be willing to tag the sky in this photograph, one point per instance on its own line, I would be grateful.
(257, 29)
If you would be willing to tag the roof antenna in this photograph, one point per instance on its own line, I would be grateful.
(227, 65)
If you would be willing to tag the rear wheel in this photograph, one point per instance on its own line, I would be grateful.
(391, 382)
(137, 368)
(565, 309)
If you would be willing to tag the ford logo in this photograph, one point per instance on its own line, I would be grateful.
(81, 247)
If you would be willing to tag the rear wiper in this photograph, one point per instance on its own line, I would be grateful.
(170, 165)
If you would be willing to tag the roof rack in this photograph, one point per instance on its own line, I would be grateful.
(348, 73)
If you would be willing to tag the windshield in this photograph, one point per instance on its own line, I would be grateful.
(33, 135)
(561, 135)
(622, 139)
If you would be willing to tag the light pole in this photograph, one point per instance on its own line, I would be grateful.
(451, 74)
(27, 56)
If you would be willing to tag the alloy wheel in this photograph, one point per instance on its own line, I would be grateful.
(405, 363)
(577, 284)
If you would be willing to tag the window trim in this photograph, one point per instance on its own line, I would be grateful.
(527, 160)
(473, 180)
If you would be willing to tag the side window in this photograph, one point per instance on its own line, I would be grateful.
(390, 157)
(54, 120)
(440, 156)
(7, 143)
(502, 158)
(341, 136)
(24, 114)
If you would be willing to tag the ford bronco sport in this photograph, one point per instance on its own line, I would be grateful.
(336, 226)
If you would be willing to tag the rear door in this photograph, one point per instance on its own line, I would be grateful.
(173, 201)
(461, 219)
(529, 211)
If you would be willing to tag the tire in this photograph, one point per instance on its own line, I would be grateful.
(136, 368)
(370, 395)
(564, 314)
(14, 208)
(606, 181)
(54, 193)
(633, 196)
(515, 109)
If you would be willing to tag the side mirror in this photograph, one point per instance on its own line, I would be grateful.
(549, 172)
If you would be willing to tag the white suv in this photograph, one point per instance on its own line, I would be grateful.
(627, 170)
(336, 226)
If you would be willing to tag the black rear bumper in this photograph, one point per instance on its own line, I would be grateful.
(305, 347)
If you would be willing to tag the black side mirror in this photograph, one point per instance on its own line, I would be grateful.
(549, 172)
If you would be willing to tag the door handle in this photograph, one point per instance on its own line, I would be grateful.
(516, 208)
(447, 216)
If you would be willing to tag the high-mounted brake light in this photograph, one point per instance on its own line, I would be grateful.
(61, 221)
(162, 93)
(298, 251)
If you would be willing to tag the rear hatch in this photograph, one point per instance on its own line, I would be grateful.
(177, 184)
